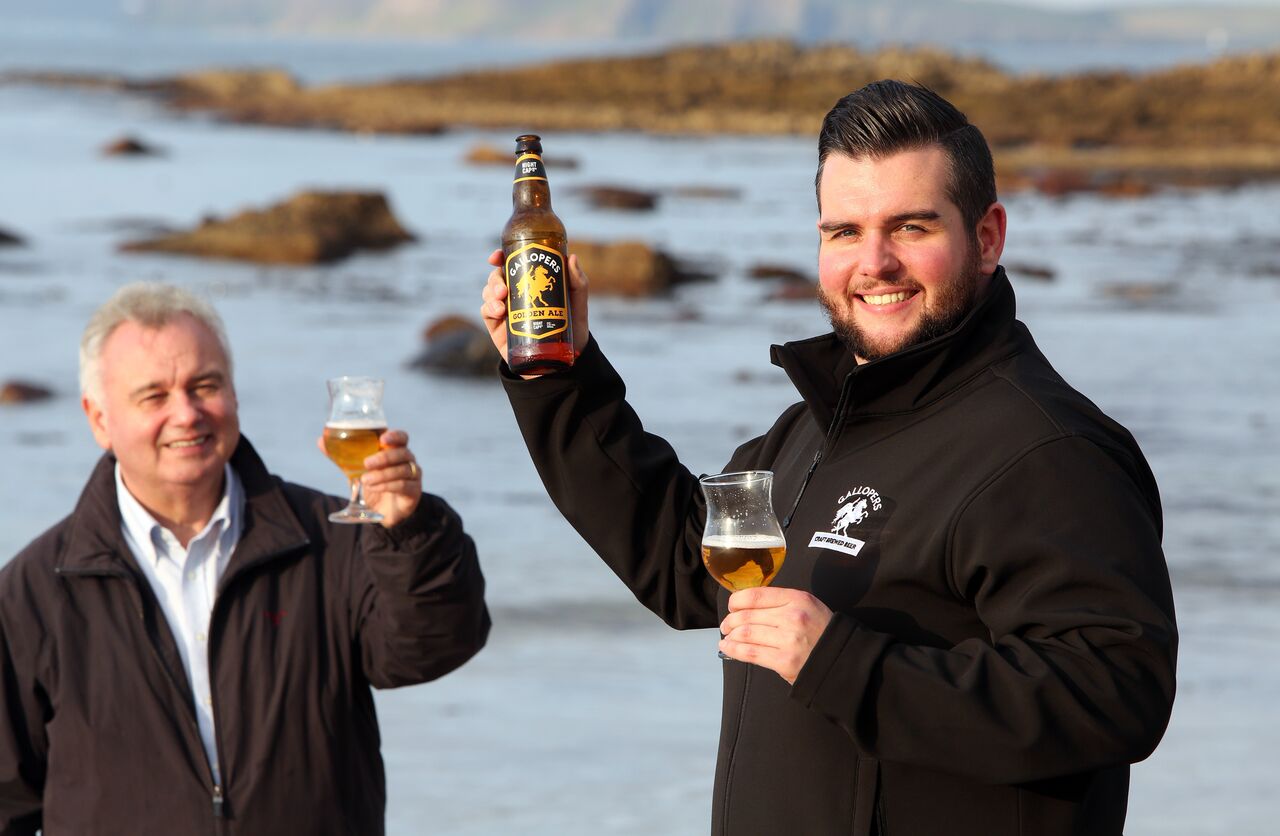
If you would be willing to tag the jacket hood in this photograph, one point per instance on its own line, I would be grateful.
(822, 368)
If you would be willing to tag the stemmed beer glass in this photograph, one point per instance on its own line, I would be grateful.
(742, 543)
(351, 433)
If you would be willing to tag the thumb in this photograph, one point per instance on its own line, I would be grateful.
(578, 303)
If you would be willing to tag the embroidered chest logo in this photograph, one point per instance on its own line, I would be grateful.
(852, 509)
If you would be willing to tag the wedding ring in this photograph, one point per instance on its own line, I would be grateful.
(413, 470)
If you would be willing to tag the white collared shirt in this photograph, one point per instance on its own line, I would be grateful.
(185, 582)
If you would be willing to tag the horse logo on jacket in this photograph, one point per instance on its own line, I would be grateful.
(851, 513)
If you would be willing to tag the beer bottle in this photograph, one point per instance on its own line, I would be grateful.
(536, 264)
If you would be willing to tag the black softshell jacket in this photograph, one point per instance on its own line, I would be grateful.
(98, 730)
(1003, 644)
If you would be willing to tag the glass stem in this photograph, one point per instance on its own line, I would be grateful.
(357, 493)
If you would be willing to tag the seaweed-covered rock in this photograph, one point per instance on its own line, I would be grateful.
(617, 197)
(630, 268)
(23, 391)
(129, 146)
(455, 345)
(484, 153)
(309, 228)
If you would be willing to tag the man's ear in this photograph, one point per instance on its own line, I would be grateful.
(990, 233)
(97, 421)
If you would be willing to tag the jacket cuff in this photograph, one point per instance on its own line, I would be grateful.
(431, 515)
(839, 678)
(590, 364)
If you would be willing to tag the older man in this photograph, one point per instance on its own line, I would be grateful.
(973, 630)
(192, 649)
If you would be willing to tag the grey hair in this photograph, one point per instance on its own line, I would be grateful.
(151, 305)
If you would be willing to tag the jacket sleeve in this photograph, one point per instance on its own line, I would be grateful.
(23, 744)
(621, 488)
(1060, 555)
(418, 597)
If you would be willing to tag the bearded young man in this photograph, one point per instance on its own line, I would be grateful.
(989, 642)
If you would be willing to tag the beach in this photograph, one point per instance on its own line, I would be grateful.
(585, 715)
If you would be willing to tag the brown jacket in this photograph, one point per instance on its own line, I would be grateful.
(98, 730)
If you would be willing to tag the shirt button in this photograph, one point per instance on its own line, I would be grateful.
(201, 637)
(208, 701)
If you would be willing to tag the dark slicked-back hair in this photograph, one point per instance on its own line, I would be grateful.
(887, 117)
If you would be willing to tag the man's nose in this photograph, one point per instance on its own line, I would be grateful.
(876, 257)
(184, 409)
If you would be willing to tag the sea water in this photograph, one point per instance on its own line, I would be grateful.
(586, 715)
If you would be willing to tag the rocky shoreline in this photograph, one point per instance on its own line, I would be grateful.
(1204, 124)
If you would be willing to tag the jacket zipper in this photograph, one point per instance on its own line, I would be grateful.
(219, 794)
(827, 443)
(817, 459)
(219, 800)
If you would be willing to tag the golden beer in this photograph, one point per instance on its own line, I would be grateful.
(743, 562)
(348, 444)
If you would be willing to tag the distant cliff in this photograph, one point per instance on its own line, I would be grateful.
(1211, 122)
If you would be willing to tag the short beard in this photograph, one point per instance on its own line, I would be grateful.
(952, 305)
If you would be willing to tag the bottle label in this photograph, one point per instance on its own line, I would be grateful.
(530, 167)
(537, 299)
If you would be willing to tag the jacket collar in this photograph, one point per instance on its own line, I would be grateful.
(822, 368)
(96, 544)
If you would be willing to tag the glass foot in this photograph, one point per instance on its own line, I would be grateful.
(355, 514)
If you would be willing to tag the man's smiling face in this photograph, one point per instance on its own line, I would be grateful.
(897, 265)
(166, 407)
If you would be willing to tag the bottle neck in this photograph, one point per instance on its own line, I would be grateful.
(529, 189)
(530, 196)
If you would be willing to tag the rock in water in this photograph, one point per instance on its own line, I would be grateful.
(456, 346)
(21, 391)
(629, 268)
(309, 228)
(129, 146)
(616, 197)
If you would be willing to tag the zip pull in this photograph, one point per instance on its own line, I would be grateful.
(817, 457)
(219, 803)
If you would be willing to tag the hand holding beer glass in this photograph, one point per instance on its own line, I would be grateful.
(351, 433)
(742, 543)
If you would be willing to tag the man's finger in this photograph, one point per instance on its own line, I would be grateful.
(577, 276)
(764, 596)
(757, 633)
(394, 438)
(765, 616)
(578, 303)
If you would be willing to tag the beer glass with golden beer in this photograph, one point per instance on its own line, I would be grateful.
(351, 433)
(742, 544)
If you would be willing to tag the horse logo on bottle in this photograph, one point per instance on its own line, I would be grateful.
(533, 284)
